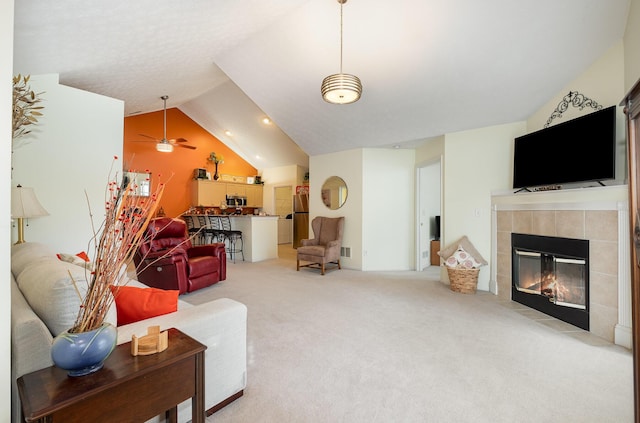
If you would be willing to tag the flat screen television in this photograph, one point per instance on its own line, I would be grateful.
(580, 150)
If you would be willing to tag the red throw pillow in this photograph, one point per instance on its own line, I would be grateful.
(134, 304)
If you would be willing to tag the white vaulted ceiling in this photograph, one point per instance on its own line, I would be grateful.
(428, 67)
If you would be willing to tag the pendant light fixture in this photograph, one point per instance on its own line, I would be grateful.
(341, 88)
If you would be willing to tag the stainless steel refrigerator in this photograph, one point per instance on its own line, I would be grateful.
(300, 218)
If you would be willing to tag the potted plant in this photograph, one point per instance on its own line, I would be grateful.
(215, 159)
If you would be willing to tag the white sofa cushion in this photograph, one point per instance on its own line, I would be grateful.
(24, 254)
(47, 285)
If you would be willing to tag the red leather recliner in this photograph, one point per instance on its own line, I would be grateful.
(168, 260)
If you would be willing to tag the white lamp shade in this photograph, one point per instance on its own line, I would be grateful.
(341, 88)
(25, 204)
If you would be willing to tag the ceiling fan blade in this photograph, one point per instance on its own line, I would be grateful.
(149, 136)
(191, 147)
(145, 140)
(177, 140)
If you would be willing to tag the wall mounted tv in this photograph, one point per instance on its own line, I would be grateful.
(580, 150)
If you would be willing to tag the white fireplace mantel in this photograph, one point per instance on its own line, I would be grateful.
(591, 198)
(613, 198)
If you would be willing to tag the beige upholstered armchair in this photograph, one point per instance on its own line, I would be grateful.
(325, 247)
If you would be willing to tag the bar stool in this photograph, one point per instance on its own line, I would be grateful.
(193, 228)
(207, 233)
(233, 237)
(215, 228)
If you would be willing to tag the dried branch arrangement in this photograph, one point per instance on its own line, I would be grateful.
(116, 241)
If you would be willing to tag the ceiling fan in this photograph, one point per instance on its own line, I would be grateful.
(164, 145)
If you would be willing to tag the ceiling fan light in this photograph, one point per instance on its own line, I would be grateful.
(164, 147)
(341, 88)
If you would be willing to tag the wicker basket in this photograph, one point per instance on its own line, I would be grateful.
(463, 280)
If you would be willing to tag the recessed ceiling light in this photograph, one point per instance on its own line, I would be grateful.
(228, 133)
(266, 121)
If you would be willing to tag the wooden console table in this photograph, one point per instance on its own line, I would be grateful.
(127, 388)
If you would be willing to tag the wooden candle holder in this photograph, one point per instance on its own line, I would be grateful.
(151, 343)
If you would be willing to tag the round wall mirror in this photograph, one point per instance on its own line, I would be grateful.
(334, 192)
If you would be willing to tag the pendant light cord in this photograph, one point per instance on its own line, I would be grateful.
(341, 5)
(164, 137)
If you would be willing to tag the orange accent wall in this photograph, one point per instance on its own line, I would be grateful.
(176, 168)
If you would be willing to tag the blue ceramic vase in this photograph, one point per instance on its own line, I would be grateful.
(83, 353)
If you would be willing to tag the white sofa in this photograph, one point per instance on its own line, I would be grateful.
(44, 302)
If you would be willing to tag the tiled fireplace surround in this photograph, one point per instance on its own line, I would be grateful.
(601, 218)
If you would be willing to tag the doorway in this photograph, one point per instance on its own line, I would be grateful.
(283, 196)
(429, 214)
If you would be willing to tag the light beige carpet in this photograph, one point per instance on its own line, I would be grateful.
(355, 346)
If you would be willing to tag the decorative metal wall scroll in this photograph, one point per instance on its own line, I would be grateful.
(577, 100)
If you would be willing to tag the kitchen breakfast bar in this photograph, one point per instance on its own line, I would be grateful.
(259, 235)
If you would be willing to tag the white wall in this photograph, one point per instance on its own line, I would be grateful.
(6, 73)
(69, 152)
(430, 151)
(476, 162)
(379, 211)
(388, 205)
(632, 47)
(348, 166)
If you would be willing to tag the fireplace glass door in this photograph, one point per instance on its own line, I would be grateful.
(551, 275)
(560, 279)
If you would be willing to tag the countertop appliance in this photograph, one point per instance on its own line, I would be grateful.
(236, 201)
(300, 218)
(200, 173)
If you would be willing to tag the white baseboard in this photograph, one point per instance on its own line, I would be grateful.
(623, 336)
(493, 287)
